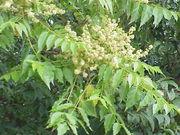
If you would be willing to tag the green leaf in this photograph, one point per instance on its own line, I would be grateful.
(82, 125)
(26, 63)
(131, 79)
(55, 118)
(62, 107)
(95, 98)
(6, 76)
(64, 46)
(62, 129)
(116, 128)
(169, 132)
(158, 15)
(146, 14)
(4, 25)
(167, 109)
(50, 41)
(27, 26)
(158, 106)
(147, 67)
(155, 108)
(117, 78)
(108, 100)
(150, 120)
(82, 47)
(57, 43)
(137, 80)
(157, 70)
(108, 122)
(132, 98)
(45, 70)
(90, 1)
(130, 4)
(124, 90)
(101, 71)
(171, 82)
(68, 74)
(15, 75)
(102, 112)
(110, 5)
(160, 118)
(146, 101)
(85, 117)
(72, 122)
(41, 41)
(73, 128)
(137, 67)
(107, 4)
(103, 102)
(73, 47)
(71, 118)
(23, 27)
(19, 29)
(136, 12)
(175, 15)
(89, 108)
(147, 83)
(167, 120)
(167, 14)
(176, 101)
(89, 89)
(59, 75)
(107, 74)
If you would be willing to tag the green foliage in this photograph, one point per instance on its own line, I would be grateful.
(41, 44)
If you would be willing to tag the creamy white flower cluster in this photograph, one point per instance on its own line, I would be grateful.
(44, 8)
(106, 43)
(50, 9)
(143, 1)
(8, 5)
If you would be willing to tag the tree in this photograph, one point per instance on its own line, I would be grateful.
(81, 58)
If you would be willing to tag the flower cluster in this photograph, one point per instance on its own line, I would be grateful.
(46, 9)
(50, 9)
(143, 1)
(8, 5)
(40, 8)
(106, 43)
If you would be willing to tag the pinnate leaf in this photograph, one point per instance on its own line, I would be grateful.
(116, 128)
(68, 74)
(108, 122)
(117, 78)
(158, 15)
(62, 129)
(146, 14)
(42, 40)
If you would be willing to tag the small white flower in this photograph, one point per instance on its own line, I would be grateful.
(77, 71)
(85, 75)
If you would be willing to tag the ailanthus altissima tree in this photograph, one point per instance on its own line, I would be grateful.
(86, 59)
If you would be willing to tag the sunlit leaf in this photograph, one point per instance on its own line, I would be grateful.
(108, 122)
(50, 41)
(41, 40)
(85, 117)
(116, 128)
(68, 74)
(158, 15)
(62, 129)
(146, 14)
(117, 78)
